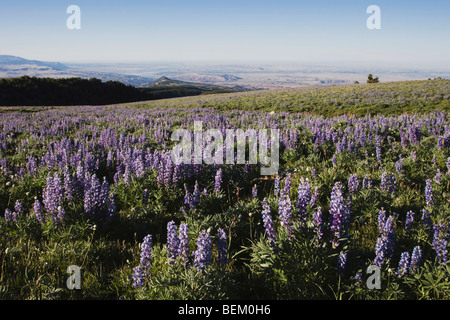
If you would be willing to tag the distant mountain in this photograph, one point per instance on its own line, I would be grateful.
(15, 67)
(6, 60)
(164, 87)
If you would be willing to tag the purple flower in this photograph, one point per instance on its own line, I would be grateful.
(172, 241)
(426, 219)
(317, 223)
(416, 258)
(183, 241)
(342, 260)
(218, 181)
(37, 207)
(138, 277)
(385, 243)
(353, 183)
(203, 254)
(255, 191)
(287, 184)
(196, 194)
(276, 190)
(285, 212)
(409, 220)
(304, 197)
(338, 213)
(268, 224)
(403, 266)
(384, 181)
(18, 207)
(146, 253)
(11, 216)
(440, 240)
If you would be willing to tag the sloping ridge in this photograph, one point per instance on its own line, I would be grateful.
(13, 60)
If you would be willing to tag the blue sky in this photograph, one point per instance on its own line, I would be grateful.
(412, 32)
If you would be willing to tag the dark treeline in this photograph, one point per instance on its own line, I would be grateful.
(32, 91)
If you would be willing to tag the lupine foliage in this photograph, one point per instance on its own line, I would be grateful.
(364, 180)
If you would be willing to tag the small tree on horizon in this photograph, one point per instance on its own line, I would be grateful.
(371, 79)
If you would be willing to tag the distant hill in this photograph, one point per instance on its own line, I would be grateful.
(169, 88)
(16, 67)
(9, 62)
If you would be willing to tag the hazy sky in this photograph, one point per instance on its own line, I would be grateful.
(413, 32)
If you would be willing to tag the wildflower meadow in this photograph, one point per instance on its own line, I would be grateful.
(362, 184)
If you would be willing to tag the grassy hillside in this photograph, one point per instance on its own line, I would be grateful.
(359, 99)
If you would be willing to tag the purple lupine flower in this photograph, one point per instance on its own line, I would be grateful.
(337, 213)
(416, 258)
(334, 161)
(437, 177)
(203, 254)
(276, 190)
(68, 184)
(314, 197)
(255, 191)
(92, 195)
(111, 206)
(385, 243)
(285, 212)
(403, 266)
(428, 193)
(304, 197)
(440, 240)
(426, 219)
(52, 197)
(172, 241)
(448, 165)
(358, 279)
(188, 199)
(378, 147)
(392, 183)
(268, 224)
(367, 182)
(146, 253)
(222, 247)
(37, 207)
(409, 220)
(218, 181)
(287, 184)
(127, 176)
(196, 194)
(353, 183)
(138, 277)
(11, 216)
(18, 207)
(381, 220)
(342, 261)
(317, 223)
(385, 181)
(183, 240)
